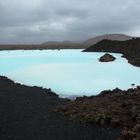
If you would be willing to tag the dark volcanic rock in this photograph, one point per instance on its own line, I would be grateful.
(115, 108)
(107, 58)
(130, 49)
(27, 113)
(131, 133)
(135, 111)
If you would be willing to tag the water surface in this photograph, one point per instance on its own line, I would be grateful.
(68, 72)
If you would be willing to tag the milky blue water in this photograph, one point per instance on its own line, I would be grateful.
(68, 72)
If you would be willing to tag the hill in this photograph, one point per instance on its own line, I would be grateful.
(86, 43)
(65, 44)
(118, 37)
(129, 48)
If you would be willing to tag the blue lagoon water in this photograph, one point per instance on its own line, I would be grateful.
(68, 72)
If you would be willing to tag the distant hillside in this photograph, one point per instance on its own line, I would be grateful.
(129, 48)
(64, 44)
(86, 43)
(118, 37)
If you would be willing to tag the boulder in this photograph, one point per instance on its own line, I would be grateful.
(107, 58)
(135, 112)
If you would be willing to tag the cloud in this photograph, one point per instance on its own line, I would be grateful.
(36, 21)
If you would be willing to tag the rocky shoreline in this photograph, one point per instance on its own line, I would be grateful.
(116, 108)
(29, 113)
(130, 49)
(35, 113)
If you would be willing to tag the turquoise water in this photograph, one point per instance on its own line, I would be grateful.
(68, 72)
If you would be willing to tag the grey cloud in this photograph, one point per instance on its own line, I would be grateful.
(36, 21)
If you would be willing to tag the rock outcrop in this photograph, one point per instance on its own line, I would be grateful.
(116, 108)
(130, 49)
(107, 58)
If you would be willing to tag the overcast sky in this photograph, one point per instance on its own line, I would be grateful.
(36, 21)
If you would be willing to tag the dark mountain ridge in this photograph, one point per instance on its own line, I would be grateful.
(129, 48)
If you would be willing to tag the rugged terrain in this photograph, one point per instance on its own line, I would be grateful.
(115, 108)
(130, 49)
(28, 113)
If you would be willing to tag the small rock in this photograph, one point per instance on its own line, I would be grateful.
(128, 134)
(138, 118)
(107, 58)
(115, 122)
(136, 128)
(138, 87)
(135, 111)
(97, 119)
(132, 85)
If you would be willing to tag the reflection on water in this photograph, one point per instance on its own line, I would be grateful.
(68, 72)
